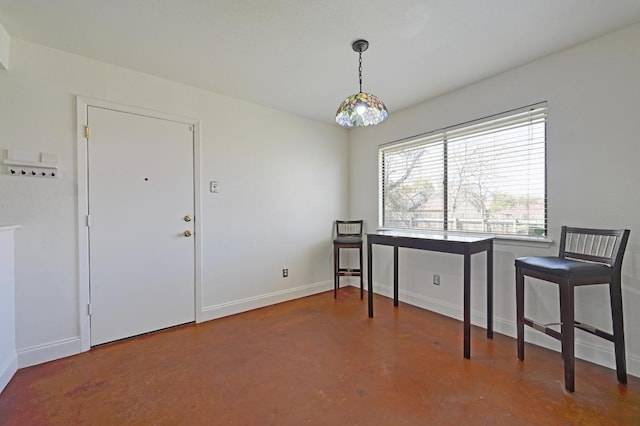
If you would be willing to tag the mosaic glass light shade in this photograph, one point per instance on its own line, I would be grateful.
(361, 109)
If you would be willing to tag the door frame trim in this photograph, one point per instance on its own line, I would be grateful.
(82, 105)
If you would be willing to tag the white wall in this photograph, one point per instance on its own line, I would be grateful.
(593, 94)
(283, 180)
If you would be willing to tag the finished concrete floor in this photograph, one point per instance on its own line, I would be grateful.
(317, 360)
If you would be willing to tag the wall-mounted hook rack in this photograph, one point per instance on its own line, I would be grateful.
(32, 164)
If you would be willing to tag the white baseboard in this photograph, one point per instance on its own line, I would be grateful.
(48, 352)
(434, 305)
(66, 347)
(8, 368)
(250, 303)
(601, 355)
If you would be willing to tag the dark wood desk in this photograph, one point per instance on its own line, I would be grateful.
(444, 242)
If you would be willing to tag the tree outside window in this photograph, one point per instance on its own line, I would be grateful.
(485, 176)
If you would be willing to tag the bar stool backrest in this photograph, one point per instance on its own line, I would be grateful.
(605, 246)
(349, 228)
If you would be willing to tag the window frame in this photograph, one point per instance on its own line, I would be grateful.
(538, 110)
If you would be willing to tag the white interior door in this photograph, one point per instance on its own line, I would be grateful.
(141, 188)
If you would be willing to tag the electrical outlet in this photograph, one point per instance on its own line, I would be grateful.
(285, 273)
(436, 279)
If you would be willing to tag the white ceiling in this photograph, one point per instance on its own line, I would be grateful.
(295, 55)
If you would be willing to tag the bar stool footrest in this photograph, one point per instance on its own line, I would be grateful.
(544, 328)
(349, 272)
(595, 331)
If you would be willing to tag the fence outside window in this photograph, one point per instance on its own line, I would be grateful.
(488, 175)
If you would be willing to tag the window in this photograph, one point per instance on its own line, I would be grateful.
(488, 175)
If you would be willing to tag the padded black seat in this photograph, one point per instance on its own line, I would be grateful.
(564, 267)
(347, 240)
(348, 236)
(586, 257)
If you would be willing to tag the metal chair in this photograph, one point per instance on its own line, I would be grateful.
(348, 236)
(586, 257)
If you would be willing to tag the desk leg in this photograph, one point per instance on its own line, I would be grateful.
(395, 275)
(370, 278)
(336, 268)
(467, 303)
(490, 291)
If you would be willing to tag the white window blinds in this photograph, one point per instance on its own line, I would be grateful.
(488, 175)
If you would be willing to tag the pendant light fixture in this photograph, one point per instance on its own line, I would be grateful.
(361, 109)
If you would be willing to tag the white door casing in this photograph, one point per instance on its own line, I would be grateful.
(141, 270)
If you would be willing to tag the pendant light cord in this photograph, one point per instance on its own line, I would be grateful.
(360, 69)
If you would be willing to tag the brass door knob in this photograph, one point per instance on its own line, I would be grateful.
(187, 218)
(187, 233)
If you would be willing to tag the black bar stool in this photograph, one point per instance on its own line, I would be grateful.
(348, 236)
(586, 257)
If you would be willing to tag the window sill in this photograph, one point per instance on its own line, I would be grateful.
(523, 241)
